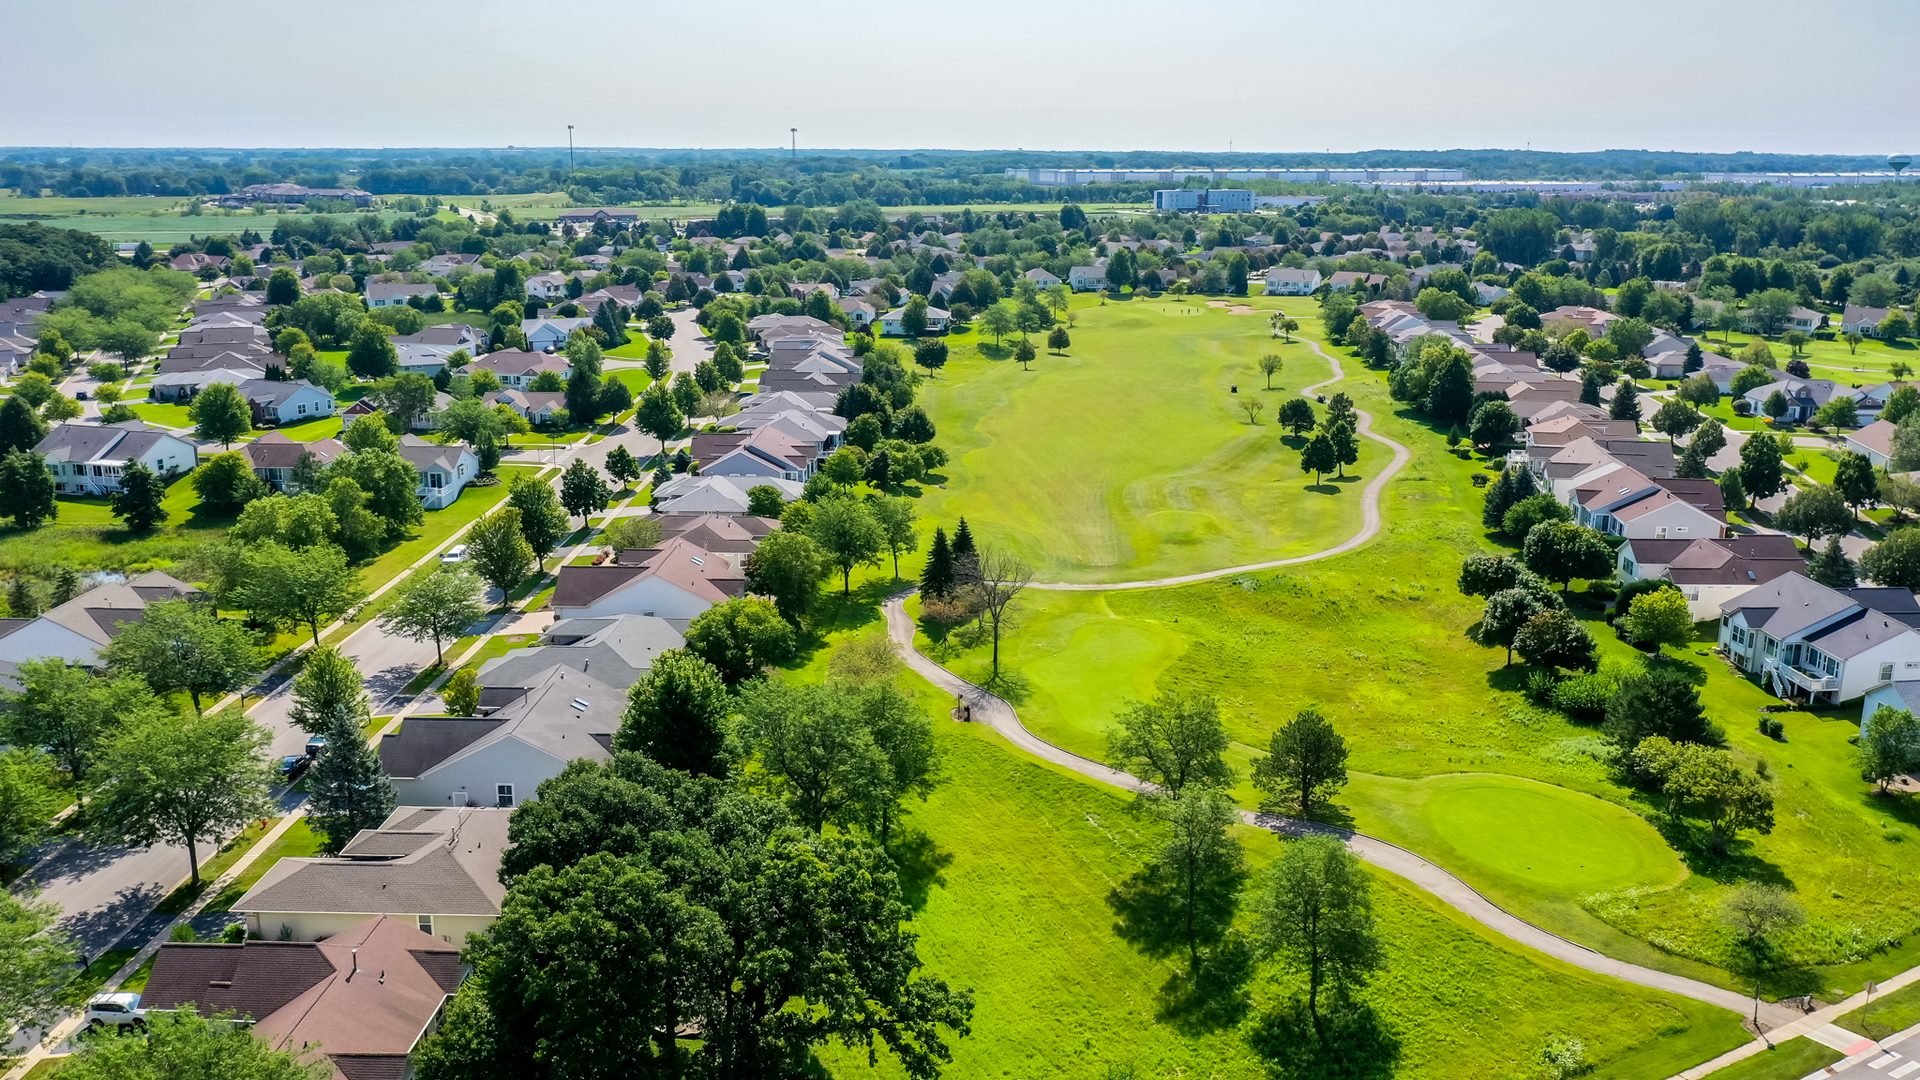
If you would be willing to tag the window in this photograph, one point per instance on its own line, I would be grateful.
(1886, 672)
(303, 410)
(504, 794)
(426, 924)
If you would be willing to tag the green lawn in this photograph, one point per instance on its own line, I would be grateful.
(326, 427)
(1128, 457)
(86, 536)
(298, 840)
(1786, 1061)
(1883, 1016)
(166, 414)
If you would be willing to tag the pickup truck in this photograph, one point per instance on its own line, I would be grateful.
(115, 1010)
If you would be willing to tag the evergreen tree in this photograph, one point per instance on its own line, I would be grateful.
(1832, 568)
(21, 603)
(937, 579)
(20, 427)
(66, 586)
(348, 789)
(1626, 403)
(583, 397)
(26, 490)
(138, 500)
(963, 540)
(1590, 389)
(1692, 464)
(487, 450)
(1499, 498)
(1733, 491)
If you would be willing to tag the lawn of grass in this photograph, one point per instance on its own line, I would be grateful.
(298, 840)
(1886, 1015)
(86, 536)
(213, 863)
(1127, 457)
(1786, 1061)
(164, 413)
(325, 427)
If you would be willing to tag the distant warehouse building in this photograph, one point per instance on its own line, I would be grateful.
(1217, 201)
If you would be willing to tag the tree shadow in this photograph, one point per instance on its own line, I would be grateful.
(1352, 1043)
(995, 352)
(1009, 684)
(918, 862)
(1351, 478)
(1294, 442)
(1213, 996)
(1211, 993)
(1324, 487)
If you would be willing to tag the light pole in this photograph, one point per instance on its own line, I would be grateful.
(794, 153)
(569, 153)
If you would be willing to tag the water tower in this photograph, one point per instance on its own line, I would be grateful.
(1897, 162)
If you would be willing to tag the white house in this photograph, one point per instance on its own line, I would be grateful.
(1864, 321)
(295, 401)
(442, 265)
(892, 322)
(86, 459)
(1902, 693)
(1822, 645)
(502, 758)
(1875, 440)
(537, 408)
(1618, 500)
(180, 385)
(548, 286)
(858, 312)
(1087, 278)
(274, 456)
(1804, 396)
(1042, 277)
(550, 333)
(676, 581)
(1710, 572)
(1283, 281)
(79, 629)
(516, 369)
(438, 869)
(444, 470)
(395, 293)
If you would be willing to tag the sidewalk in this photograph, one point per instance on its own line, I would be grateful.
(1818, 1025)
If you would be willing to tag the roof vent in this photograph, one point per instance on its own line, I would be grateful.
(698, 561)
(579, 704)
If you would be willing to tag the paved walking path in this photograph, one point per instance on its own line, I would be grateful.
(1369, 511)
(1820, 1027)
(993, 710)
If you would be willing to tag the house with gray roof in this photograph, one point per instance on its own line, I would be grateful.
(677, 580)
(1711, 571)
(285, 401)
(79, 629)
(437, 868)
(615, 650)
(529, 734)
(1804, 396)
(1810, 643)
(87, 459)
(445, 470)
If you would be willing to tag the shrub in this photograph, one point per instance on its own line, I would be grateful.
(1773, 728)
(1540, 686)
(1585, 697)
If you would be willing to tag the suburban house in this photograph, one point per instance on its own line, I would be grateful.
(435, 869)
(550, 333)
(77, 630)
(194, 261)
(1802, 319)
(516, 369)
(696, 495)
(1712, 571)
(450, 335)
(713, 532)
(758, 326)
(1822, 645)
(184, 385)
(1488, 293)
(1562, 430)
(613, 651)
(1042, 278)
(1619, 500)
(364, 998)
(589, 216)
(674, 581)
(1875, 440)
(893, 322)
(86, 459)
(274, 456)
(1902, 693)
(275, 402)
(381, 294)
(759, 451)
(859, 313)
(444, 470)
(1087, 278)
(537, 407)
(1282, 281)
(1864, 321)
(526, 736)
(442, 265)
(1804, 396)
(1554, 467)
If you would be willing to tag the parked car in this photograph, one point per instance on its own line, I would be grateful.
(80, 395)
(115, 1010)
(315, 744)
(455, 554)
(293, 765)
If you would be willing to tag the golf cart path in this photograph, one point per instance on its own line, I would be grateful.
(1369, 510)
(993, 710)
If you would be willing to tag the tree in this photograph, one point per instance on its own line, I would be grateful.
(1536, 509)
(658, 414)
(1895, 561)
(1856, 481)
(498, 551)
(294, 589)
(1306, 763)
(1270, 365)
(1024, 353)
(818, 744)
(348, 789)
(1318, 456)
(1761, 471)
(676, 715)
(1758, 912)
(220, 414)
(1171, 742)
(1832, 568)
(37, 965)
(27, 491)
(71, 714)
(848, 534)
(181, 780)
(897, 532)
(1660, 618)
(1814, 512)
(1698, 390)
(1625, 404)
(1508, 612)
(623, 466)
(1657, 701)
(180, 1043)
(227, 481)
(1563, 551)
(543, 521)
(1297, 414)
(1316, 912)
(283, 287)
(182, 645)
(1676, 419)
(995, 578)
(137, 502)
(129, 340)
(937, 579)
(1058, 340)
(740, 638)
(461, 694)
(1555, 639)
(327, 687)
(1776, 405)
(370, 432)
(1708, 785)
(1750, 377)
(1889, 745)
(582, 491)
(1733, 493)
(438, 606)
(1494, 423)
(1001, 319)
(372, 355)
(20, 427)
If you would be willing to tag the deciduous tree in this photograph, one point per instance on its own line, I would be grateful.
(220, 414)
(181, 780)
(498, 551)
(789, 567)
(184, 645)
(1306, 763)
(293, 589)
(543, 521)
(329, 685)
(437, 606)
(740, 638)
(676, 715)
(1315, 911)
(1171, 742)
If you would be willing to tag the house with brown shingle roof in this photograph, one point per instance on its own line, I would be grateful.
(674, 581)
(274, 456)
(1711, 571)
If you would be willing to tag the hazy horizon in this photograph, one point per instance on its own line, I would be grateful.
(1711, 77)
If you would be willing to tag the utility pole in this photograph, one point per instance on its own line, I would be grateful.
(569, 153)
(794, 154)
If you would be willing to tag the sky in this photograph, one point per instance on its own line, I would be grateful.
(1265, 75)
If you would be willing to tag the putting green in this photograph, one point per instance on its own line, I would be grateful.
(1547, 840)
